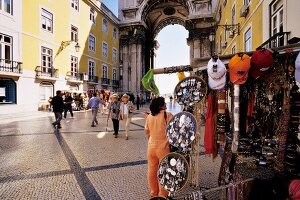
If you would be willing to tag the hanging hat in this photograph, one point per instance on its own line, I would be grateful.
(297, 68)
(239, 68)
(261, 61)
(216, 71)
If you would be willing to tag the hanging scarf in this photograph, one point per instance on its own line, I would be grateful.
(210, 125)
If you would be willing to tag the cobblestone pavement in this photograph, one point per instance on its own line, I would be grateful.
(78, 161)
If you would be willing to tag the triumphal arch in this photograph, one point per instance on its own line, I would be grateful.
(142, 20)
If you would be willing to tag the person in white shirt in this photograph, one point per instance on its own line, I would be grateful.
(126, 112)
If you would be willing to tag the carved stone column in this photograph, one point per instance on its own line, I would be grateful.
(199, 43)
(125, 57)
(133, 65)
(139, 67)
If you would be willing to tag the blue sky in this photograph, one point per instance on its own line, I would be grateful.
(112, 5)
(173, 50)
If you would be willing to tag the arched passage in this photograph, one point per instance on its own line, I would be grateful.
(142, 20)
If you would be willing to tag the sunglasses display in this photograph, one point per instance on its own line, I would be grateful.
(173, 172)
(181, 131)
(190, 90)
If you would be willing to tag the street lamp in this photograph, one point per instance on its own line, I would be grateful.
(77, 47)
(64, 44)
(231, 27)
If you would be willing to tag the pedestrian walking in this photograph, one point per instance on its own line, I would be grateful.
(50, 104)
(142, 100)
(94, 105)
(158, 146)
(58, 108)
(114, 113)
(126, 112)
(68, 105)
(138, 101)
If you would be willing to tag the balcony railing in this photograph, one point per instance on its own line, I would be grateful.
(278, 40)
(115, 82)
(45, 72)
(93, 79)
(74, 77)
(105, 81)
(10, 66)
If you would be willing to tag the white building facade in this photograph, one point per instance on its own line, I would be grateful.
(280, 21)
(10, 54)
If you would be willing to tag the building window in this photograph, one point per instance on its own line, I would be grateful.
(47, 56)
(233, 15)
(91, 68)
(104, 49)
(226, 33)
(115, 33)
(75, 4)
(6, 45)
(104, 71)
(74, 66)
(277, 23)
(114, 54)
(6, 6)
(93, 15)
(47, 20)
(74, 33)
(92, 43)
(105, 26)
(233, 49)
(46, 91)
(248, 40)
(114, 74)
(8, 91)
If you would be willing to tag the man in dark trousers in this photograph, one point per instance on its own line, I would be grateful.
(137, 101)
(58, 108)
(68, 105)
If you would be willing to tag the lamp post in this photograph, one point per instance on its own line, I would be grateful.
(211, 38)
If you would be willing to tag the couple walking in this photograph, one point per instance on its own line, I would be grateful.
(120, 111)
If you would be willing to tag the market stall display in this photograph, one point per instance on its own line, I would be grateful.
(181, 131)
(173, 172)
(190, 90)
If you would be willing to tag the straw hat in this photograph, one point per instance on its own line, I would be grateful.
(125, 96)
(115, 96)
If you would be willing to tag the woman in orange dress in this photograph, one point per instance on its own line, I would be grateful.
(158, 146)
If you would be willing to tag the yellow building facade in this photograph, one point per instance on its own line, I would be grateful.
(239, 26)
(70, 46)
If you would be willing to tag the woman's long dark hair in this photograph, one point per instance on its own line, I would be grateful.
(156, 105)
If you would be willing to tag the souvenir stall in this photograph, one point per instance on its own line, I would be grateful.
(252, 116)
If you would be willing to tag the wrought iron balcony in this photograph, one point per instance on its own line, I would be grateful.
(105, 81)
(115, 82)
(74, 77)
(93, 79)
(278, 40)
(9, 66)
(46, 73)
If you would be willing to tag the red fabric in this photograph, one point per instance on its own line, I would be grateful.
(209, 137)
(294, 190)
